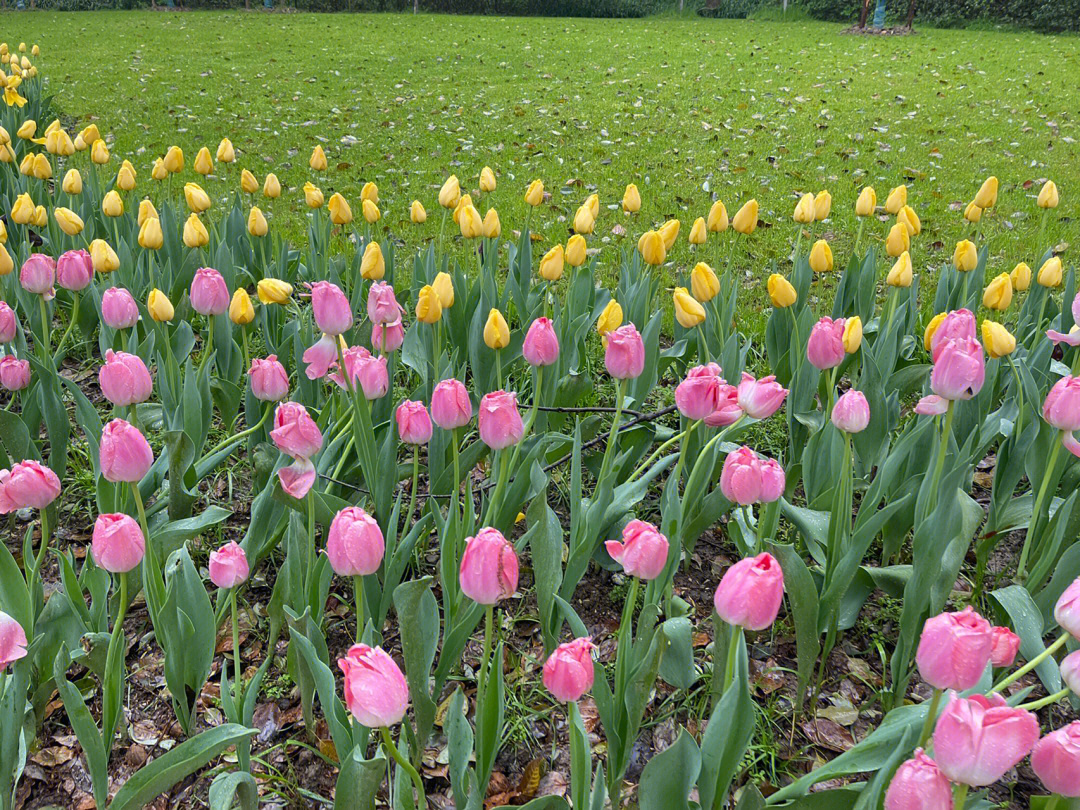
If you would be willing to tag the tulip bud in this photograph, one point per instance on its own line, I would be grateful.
(104, 257)
(450, 192)
(99, 152)
(487, 180)
(1050, 273)
(698, 395)
(866, 203)
(1020, 277)
(900, 275)
(703, 282)
(355, 545)
(117, 543)
(195, 233)
(73, 184)
(643, 551)
(898, 241)
(41, 217)
(631, 201)
(372, 263)
(269, 381)
(568, 672)
(998, 293)
(910, 219)
(204, 164)
(274, 291)
(197, 199)
(470, 222)
(174, 160)
(68, 221)
(1070, 671)
(970, 727)
(698, 232)
(375, 691)
(804, 209)
(896, 200)
(652, 248)
(159, 306)
(717, 220)
(688, 312)
(6, 262)
(159, 172)
(489, 568)
(463, 201)
(340, 212)
(124, 379)
(209, 294)
(450, 405)
(745, 219)
(496, 331)
(125, 454)
(74, 270)
(852, 337)
(112, 205)
(781, 292)
(443, 286)
(228, 566)
(248, 183)
(624, 354)
(821, 257)
(413, 422)
(150, 235)
(1048, 195)
(987, 194)
(851, 413)
(1006, 646)
(313, 195)
(669, 231)
(576, 250)
(9, 324)
(125, 178)
(1067, 608)
(492, 226)
(370, 211)
(428, 306)
(825, 348)
(417, 213)
(534, 195)
(551, 266)
(257, 224)
(317, 162)
(972, 212)
(333, 313)
(241, 312)
(919, 784)
(1056, 761)
(271, 187)
(225, 151)
(611, 318)
(12, 641)
(965, 257)
(22, 212)
(14, 373)
(750, 592)
(541, 346)
(822, 205)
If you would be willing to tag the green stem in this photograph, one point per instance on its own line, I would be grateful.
(645, 464)
(960, 797)
(1019, 395)
(311, 533)
(500, 485)
(1036, 509)
(238, 437)
(457, 479)
(415, 478)
(1030, 665)
(39, 559)
(238, 686)
(71, 324)
(735, 635)
(388, 744)
(1035, 705)
(209, 348)
(931, 718)
(620, 387)
(43, 350)
(859, 233)
(244, 344)
(798, 249)
(482, 674)
(142, 515)
(943, 446)
(498, 368)
(358, 593)
(704, 345)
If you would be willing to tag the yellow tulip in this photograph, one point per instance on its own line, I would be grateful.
(444, 288)
(900, 275)
(42, 167)
(26, 165)
(972, 213)
(821, 258)
(487, 180)
(965, 256)
(54, 126)
(317, 162)
(688, 311)
(417, 213)
(159, 306)
(274, 291)
(931, 329)
(551, 266)
(89, 134)
(103, 257)
(271, 187)
(241, 312)
(718, 218)
(372, 264)
(5, 136)
(651, 247)
(822, 205)
(450, 192)
(998, 340)
(248, 182)
(472, 226)
(631, 199)
(1020, 277)
(584, 220)
(988, 193)
(174, 160)
(257, 224)
(125, 178)
(852, 337)
(611, 318)
(867, 202)
(428, 306)
(370, 191)
(41, 217)
(313, 195)
(1048, 195)
(898, 241)
(6, 264)
(492, 225)
(197, 199)
(804, 209)
(745, 219)
(226, 153)
(534, 195)
(698, 232)
(998, 293)
(204, 164)
(22, 212)
(1050, 273)
(340, 212)
(150, 235)
(7, 154)
(146, 211)
(463, 200)
(69, 222)
(593, 204)
(35, 50)
(910, 219)
(781, 292)
(195, 233)
(22, 47)
(703, 282)
(27, 129)
(496, 331)
(159, 172)
(896, 200)
(669, 232)
(3, 232)
(576, 250)
(112, 205)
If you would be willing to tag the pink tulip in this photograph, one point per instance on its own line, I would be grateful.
(568, 672)
(760, 398)
(977, 739)
(1070, 671)
(295, 432)
(1076, 308)
(118, 308)
(749, 478)
(541, 346)
(382, 304)
(12, 641)
(209, 294)
(450, 405)
(124, 379)
(1061, 409)
(37, 275)
(14, 373)
(624, 357)
(125, 454)
(74, 270)
(1070, 339)
(365, 370)
(499, 422)
(954, 649)
(355, 545)
(27, 485)
(1067, 609)
(919, 784)
(1006, 646)
(728, 410)
(1056, 760)
(932, 405)
(698, 395)
(851, 413)
(959, 369)
(489, 568)
(387, 338)
(269, 380)
(9, 324)
(117, 544)
(298, 478)
(643, 551)
(750, 592)
(376, 692)
(228, 565)
(333, 314)
(957, 325)
(413, 422)
(825, 348)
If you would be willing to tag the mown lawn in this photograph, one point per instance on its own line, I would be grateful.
(687, 108)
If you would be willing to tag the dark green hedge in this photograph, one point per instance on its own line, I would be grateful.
(539, 8)
(1042, 15)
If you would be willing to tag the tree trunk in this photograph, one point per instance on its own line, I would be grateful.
(911, 14)
(862, 14)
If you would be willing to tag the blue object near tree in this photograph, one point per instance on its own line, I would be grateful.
(879, 15)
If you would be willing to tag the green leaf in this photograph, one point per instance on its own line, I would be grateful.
(459, 739)
(802, 598)
(669, 776)
(677, 662)
(1027, 622)
(580, 758)
(97, 756)
(418, 618)
(731, 727)
(358, 780)
(233, 789)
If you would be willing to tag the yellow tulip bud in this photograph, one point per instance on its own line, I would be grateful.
(688, 312)
(472, 226)
(341, 213)
(317, 162)
(225, 152)
(257, 224)
(89, 134)
(576, 250)
(313, 195)
(112, 205)
(241, 312)
(3, 232)
(146, 211)
(534, 195)
(487, 180)
(492, 225)
(998, 340)
(631, 199)
(372, 264)
(910, 219)
(965, 256)
(781, 292)
(159, 306)
(417, 213)
(900, 275)
(450, 192)
(7, 154)
(703, 282)
(444, 288)
(852, 337)
(821, 258)
(896, 200)
(1050, 273)
(370, 191)
(898, 241)
(371, 212)
(998, 293)
(72, 184)
(174, 160)
(248, 182)
(496, 331)
(35, 50)
(428, 306)
(464, 200)
(584, 220)
(204, 164)
(669, 232)
(195, 233)
(593, 204)
(26, 165)
(1048, 195)
(551, 266)
(718, 218)
(972, 213)
(651, 247)
(22, 212)
(197, 199)
(931, 329)
(988, 193)
(1020, 277)
(159, 172)
(698, 232)
(69, 222)
(125, 178)
(41, 217)
(103, 257)
(804, 209)
(271, 187)
(867, 202)
(42, 167)
(611, 318)
(5, 136)
(822, 205)
(745, 219)
(150, 235)
(27, 129)
(274, 291)
(6, 263)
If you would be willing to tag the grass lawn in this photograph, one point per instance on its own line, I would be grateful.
(689, 109)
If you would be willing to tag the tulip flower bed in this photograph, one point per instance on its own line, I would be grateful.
(450, 463)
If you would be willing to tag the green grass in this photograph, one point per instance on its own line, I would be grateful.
(687, 108)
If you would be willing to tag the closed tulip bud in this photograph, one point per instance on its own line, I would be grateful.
(463, 200)
(584, 221)
(203, 164)
(333, 313)
(910, 219)
(256, 224)
(104, 257)
(69, 222)
(89, 134)
(274, 291)
(313, 195)
(822, 205)
(541, 346)
(295, 433)
(146, 211)
(750, 592)
(825, 348)
(5, 136)
(428, 306)
(9, 324)
(370, 211)
(417, 213)
(117, 543)
(1067, 389)
(496, 331)
(852, 337)
(551, 266)
(14, 373)
(225, 151)
(27, 485)
(195, 233)
(593, 204)
(450, 405)
(900, 275)
(652, 249)
(703, 282)
(58, 142)
(72, 182)
(3, 232)
(611, 318)
(1006, 646)
(159, 306)
(174, 160)
(150, 235)
(492, 225)
(1070, 669)
(1020, 277)
(698, 232)
(197, 199)
(867, 202)
(821, 258)
(896, 200)
(125, 178)
(159, 172)
(372, 263)
(959, 369)
(341, 213)
(643, 551)
(624, 355)
(898, 241)
(99, 152)
(669, 232)
(631, 199)
(37, 275)
(228, 566)
(317, 161)
(27, 129)
(355, 545)
(534, 195)
(781, 292)
(209, 294)
(1048, 195)
(124, 379)
(42, 167)
(248, 183)
(698, 395)
(26, 165)
(125, 454)
(443, 286)
(487, 180)
(469, 221)
(998, 293)
(370, 191)
(987, 194)
(22, 212)
(745, 219)
(241, 312)
(717, 220)
(375, 691)
(1056, 760)
(1050, 273)
(413, 422)
(269, 380)
(489, 568)
(450, 192)
(41, 217)
(568, 672)
(804, 209)
(576, 250)
(851, 413)
(919, 784)
(688, 312)
(978, 739)
(271, 187)
(12, 641)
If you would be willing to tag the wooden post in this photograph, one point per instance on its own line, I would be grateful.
(911, 14)
(862, 14)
